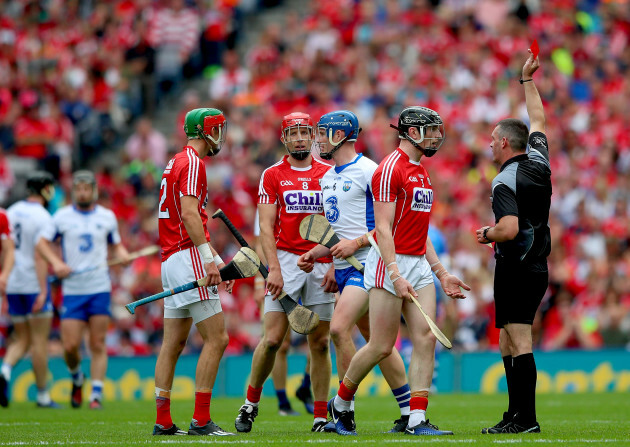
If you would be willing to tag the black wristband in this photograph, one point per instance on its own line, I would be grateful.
(526, 80)
(485, 233)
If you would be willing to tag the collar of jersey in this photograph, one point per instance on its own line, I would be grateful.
(84, 212)
(520, 157)
(307, 168)
(404, 154)
(338, 169)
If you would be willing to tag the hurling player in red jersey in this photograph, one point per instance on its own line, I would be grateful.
(188, 256)
(403, 198)
(289, 191)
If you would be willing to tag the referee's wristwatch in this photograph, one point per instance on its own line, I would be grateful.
(485, 234)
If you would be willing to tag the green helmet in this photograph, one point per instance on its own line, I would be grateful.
(200, 123)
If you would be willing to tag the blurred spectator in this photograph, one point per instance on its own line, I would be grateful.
(147, 143)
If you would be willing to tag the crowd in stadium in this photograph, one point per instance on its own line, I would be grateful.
(81, 96)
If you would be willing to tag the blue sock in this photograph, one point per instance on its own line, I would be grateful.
(283, 401)
(77, 376)
(306, 381)
(403, 396)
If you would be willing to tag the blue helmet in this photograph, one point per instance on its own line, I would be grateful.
(339, 120)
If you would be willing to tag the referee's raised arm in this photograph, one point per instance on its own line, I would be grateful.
(535, 108)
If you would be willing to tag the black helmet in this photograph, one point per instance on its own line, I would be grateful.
(39, 183)
(421, 118)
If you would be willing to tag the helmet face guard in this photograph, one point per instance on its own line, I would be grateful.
(429, 124)
(210, 123)
(329, 124)
(297, 130)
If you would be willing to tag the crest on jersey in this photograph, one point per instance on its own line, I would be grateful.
(346, 185)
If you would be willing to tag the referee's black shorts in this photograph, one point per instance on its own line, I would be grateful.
(517, 293)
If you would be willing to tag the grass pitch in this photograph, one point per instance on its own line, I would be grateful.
(568, 419)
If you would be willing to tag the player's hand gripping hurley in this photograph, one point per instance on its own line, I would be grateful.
(245, 264)
(436, 330)
(302, 320)
(315, 228)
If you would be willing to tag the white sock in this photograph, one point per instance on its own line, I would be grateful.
(43, 397)
(5, 370)
(342, 405)
(416, 416)
(316, 420)
(352, 405)
(247, 402)
(97, 390)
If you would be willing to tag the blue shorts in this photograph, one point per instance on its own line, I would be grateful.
(82, 307)
(21, 305)
(349, 277)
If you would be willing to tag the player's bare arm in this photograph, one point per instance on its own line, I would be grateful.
(8, 259)
(60, 268)
(328, 283)
(267, 217)
(41, 270)
(194, 227)
(384, 220)
(535, 109)
(306, 262)
(505, 230)
(348, 247)
(215, 254)
(450, 283)
(120, 252)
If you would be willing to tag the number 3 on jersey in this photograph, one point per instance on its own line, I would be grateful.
(163, 213)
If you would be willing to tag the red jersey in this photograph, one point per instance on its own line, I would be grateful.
(184, 175)
(5, 229)
(398, 179)
(297, 193)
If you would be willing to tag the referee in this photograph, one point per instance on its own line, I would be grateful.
(521, 196)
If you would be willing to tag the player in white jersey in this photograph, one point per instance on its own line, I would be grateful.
(349, 209)
(30, 307)
(86, 230)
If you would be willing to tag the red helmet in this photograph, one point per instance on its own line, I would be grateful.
(297, 119)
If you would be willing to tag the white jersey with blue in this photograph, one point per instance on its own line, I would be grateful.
(348, 202)
(84, 237)
(27, 219)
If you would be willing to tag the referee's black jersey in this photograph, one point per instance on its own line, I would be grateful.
(523, 189)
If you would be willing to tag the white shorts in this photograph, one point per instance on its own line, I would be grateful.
(198, 311)
(414, 269)
(181, 268)
(301, 285)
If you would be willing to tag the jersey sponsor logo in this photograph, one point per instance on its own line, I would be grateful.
(332, 213)
(304, 179)
(413, 178)
(422, 200)
(347, 185)
(298, 201)
(286, 183)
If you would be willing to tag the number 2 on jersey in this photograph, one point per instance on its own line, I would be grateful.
(163, 213)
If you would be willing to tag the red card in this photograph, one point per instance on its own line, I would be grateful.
(535, 48)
